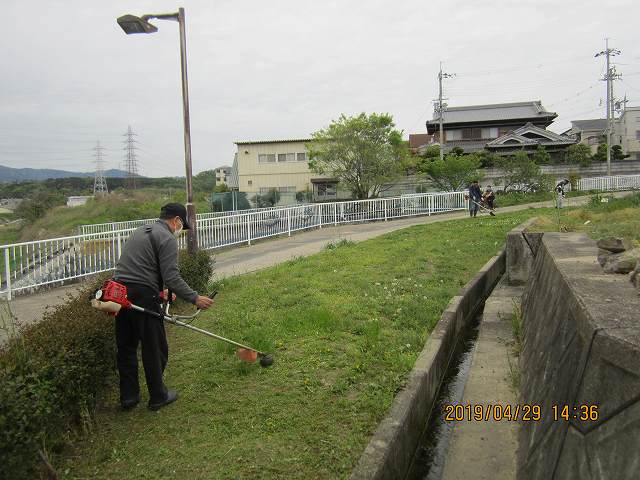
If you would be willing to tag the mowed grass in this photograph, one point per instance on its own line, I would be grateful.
(618, 217)
(345, 326)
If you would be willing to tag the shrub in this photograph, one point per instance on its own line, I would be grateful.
(50, 377)
(196, 269)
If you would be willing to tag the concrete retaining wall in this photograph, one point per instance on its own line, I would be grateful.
(581, 347)
(391, 450)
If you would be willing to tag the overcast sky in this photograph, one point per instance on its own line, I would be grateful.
(283, 69)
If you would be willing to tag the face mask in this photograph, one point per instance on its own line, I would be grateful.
(178, 231)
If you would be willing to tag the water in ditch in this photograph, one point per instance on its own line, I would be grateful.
(428, 462)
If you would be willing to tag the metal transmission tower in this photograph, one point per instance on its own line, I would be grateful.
(440, 106)
(99, 183)
(609, 77)
(130, 161)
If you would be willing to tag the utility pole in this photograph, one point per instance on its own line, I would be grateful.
(440, 107)
(99, 182)
(609, 77)
(131, 163)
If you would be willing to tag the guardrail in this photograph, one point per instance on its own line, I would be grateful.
(618, 182)
(127, 224)
(27, 266)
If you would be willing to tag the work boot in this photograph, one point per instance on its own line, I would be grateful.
(172, 396)
(129, 404)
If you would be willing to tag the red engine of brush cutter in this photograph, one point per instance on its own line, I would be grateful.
(112, 291)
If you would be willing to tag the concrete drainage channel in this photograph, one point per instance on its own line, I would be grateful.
(404, 444)
(428, 462)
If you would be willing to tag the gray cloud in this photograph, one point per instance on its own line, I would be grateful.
(284, 69)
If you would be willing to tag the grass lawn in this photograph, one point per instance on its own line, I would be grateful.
(616, 216)
(345, 325)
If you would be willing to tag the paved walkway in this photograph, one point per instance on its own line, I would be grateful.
(486, 449)
(269, 252)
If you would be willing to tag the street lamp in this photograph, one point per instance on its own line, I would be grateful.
(132, 25)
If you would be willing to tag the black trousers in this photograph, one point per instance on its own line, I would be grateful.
(133, 328)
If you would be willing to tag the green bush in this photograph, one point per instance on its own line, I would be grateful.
(50, 377)
(196, 269)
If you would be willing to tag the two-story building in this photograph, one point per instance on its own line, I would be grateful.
(261, 166)
(501, 128)
(591, 132)
(626, 132)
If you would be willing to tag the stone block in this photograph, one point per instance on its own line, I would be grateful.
(612, 244)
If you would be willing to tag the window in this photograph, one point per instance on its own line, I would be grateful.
(325, 190)
(637, 134)
(267, 158)
(453, 135)
(302, 157)
(286, 157)
(287, 189)
(471, 133)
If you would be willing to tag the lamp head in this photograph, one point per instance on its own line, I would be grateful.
(132, 24)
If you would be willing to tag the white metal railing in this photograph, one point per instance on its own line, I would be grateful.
(618, 182)
(127, 224)
(28, 265)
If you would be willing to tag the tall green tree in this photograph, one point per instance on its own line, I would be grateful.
(204, 181)
(519, 172)
(579, 154)
(541, 156)
(452, 173)
(363, 152)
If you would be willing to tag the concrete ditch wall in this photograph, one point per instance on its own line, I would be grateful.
(581, 348)
(391, 450)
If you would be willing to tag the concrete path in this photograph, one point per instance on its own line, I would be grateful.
(269, 252)
(486, 449)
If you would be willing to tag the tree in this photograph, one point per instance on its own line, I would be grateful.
(221, 188)
(38, 205)
(363, 152)
(601, 153)
(541, 156)
(617, 154)
(486, 158)
(453, 172)
(304, 196)
(579, 154)
(204, 181)
(457, 151)
(431, 152)
(519, 172)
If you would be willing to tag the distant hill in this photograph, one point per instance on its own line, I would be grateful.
(9, 174)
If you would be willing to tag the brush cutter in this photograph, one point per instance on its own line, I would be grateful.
(482, 207)
(112, 297)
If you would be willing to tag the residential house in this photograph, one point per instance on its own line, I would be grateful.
(500, 127)
(418, 142)
(591, 132)
(626, 132)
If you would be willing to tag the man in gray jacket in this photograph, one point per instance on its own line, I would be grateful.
(149, 261)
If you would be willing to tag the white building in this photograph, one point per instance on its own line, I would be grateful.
(626, 132)
(223, 174)
(77, 200)
(283, 165)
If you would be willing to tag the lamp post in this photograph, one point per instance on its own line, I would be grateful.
(132, 25)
